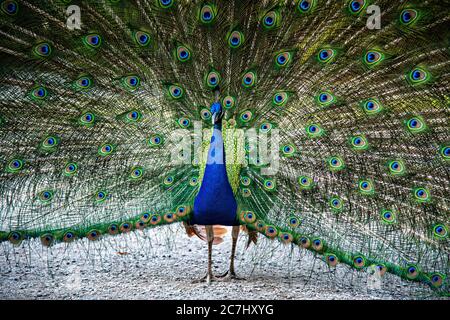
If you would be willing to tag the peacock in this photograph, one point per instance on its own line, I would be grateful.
(320, 124)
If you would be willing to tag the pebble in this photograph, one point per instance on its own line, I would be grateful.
(149, 272)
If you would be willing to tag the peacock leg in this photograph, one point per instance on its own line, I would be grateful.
(209, 275)
(231, 274)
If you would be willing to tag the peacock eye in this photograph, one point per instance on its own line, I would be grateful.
(280, 99)
(317, 244)
(356, 6)
(229, 102)
(15, 165)
(208, 14)
(246, 116)
(213, 79)
(371, 106)
(437, 280)
(388, 216)
(87, 119)
(165, 4)
(366, 187)
(136, 173)
(83, 83)
(93, 235)
(293, 222)
(336, 204)
(269, 185)
(359, 143)
(422, 195)
(249, 217)
(9, 7)
(445, 152)
(359, 262)
(133, 116)
(155, 219)
(416, 125)
(325, 99)
(314, 131)
(130, 82)
(331, 260)
(92, 40)
(69, 235)
(168, 181)
(304, 242)
(184, 122)
(142, 38)
(50, 143)
(193, 182)
(155, 140)
(265, 127)
(305, 182)
(283, 59)
(336, 163)
(249, 79)
(418, 75)
(396, 167)
(271, 20)
(245, 181)
(440, 231)
(42, 50)
(408, 16)
(412, 272)
(46, 196)
(372, 58)
(183, 53)
(175, 92)
(305, 6)
(326, 55)
(101, 196)
(105, 149)
(39, 93)
(288, 150)
(125, 227)
(271, 231)
(70, 169)
(235, 39)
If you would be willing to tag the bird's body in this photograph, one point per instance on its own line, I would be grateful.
(329, 132)
(215, 202)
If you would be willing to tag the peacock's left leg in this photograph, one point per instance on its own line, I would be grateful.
(231, 274)
(209, 275)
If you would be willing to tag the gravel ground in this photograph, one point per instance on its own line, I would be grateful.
(161, 264)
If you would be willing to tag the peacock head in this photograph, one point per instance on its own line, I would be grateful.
(216, 108)
(216, 112)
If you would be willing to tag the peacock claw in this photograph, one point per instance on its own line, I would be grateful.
(229, 276)
(208, 278)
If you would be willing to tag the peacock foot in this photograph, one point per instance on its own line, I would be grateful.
(208, 278)
(229, 276)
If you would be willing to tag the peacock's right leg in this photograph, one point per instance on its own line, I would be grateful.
(209, 275)
(231, 274)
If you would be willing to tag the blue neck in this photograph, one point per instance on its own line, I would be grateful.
(215, 202)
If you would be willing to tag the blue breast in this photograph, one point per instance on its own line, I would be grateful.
(215, 202)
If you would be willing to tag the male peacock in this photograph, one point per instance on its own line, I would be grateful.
(94, 124)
